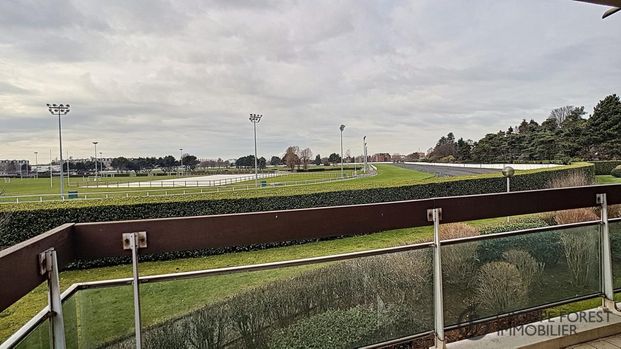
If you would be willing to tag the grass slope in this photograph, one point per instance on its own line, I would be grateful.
(388, 176)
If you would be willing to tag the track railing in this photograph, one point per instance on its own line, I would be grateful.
(176, 188)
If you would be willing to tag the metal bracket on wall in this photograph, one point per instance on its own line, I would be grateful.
(141, 240)
(430, 214)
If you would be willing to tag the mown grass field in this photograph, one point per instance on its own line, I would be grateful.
(387, 176)
(27, 186)
(608, 180)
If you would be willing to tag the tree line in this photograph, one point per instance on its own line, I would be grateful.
(565, 135)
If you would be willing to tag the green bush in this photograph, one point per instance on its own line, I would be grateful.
(544, 246)
(332, 329)
(616, 171)
(28, 220)
(605, 167)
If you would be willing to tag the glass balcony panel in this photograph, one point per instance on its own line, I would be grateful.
(335, 304)
(99, 317)
(499, 275)
(38, 338)
(615, 248)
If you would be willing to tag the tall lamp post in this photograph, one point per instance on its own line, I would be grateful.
(342, 127)
(60, 110)
(181, 157)
(255, 119)
(508, 172)
(37, 164)
(95, 143)
(101, 162)
(364, 152)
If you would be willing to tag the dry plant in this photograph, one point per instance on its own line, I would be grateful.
(581, 251)
(529, 268)
(614, 211)
(500, 288)
(459, 261)
(575, 216)
(572, 179)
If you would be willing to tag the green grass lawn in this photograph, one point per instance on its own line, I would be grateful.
(608, 179)
(28, 186)
(387, 176)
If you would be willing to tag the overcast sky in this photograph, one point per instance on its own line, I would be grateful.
(148, 77)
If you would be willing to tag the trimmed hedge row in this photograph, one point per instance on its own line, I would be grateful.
(21, 225)
(603, 168)
(616, 172)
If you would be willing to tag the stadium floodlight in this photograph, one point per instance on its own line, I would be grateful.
(60, 110)
(255, 119)
(95, 143)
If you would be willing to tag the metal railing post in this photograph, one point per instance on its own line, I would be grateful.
(134, 242)
(435, 215)
(608, 302)
(48, 265)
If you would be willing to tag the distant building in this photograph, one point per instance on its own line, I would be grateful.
(14, 167)
(381, 157)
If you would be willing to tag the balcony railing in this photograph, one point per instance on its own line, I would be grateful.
(376, 297)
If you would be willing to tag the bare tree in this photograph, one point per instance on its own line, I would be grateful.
(305, 157)
(291, 157)
(560, 114)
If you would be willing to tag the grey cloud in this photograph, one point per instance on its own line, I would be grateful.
(146, 77)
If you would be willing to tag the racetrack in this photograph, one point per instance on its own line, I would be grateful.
(447, 171)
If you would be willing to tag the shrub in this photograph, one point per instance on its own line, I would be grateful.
(331, 329)
(605, 167)
(571, 179)
(500, 288)
(575, 216)
(530, 270)
(544, 246)
(616, 172)
(459, 262)
(581, 254)
(456, 231)
(614, 211)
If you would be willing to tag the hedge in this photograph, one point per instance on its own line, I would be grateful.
(616, 172)
(604, 168)
(23, 224)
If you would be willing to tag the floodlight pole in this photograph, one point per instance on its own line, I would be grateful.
(364, 152)
(255, 119)
(181, 157)
(342, 127)
(60, 110)
(37, 164)
(51, 170)
(95, 143)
